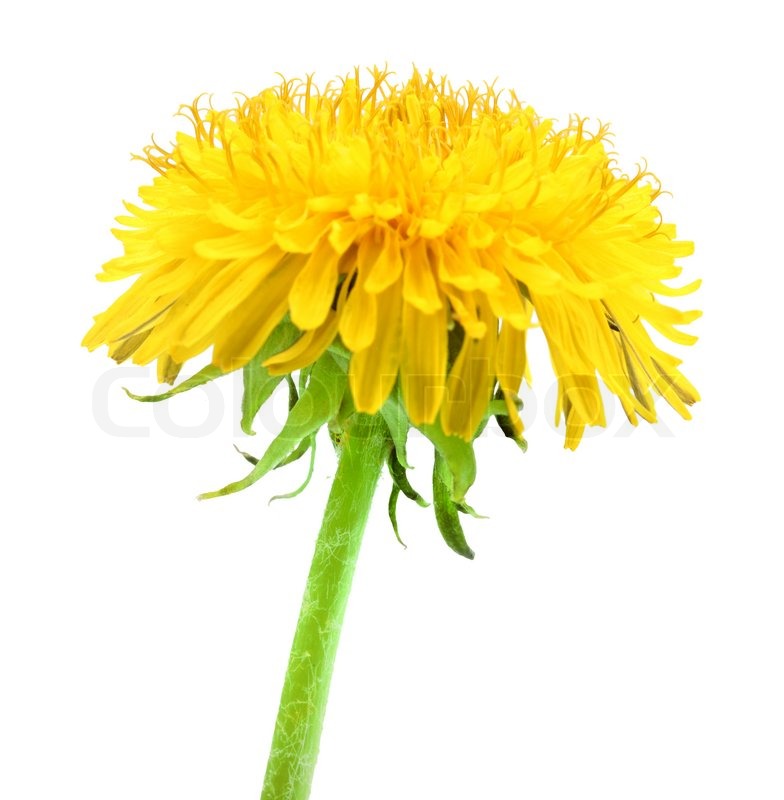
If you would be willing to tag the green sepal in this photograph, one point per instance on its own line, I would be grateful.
(446, 509)
(398, 423)
(317, 404)
(302, 379)
(296, 454)
(464, 508)
(337, 425)
(209, 373)
(495, 408)
(458, 455)
(392, 509)
(293, 393)
(310, 443)
(247, 456)
(341, 354)
(398, 474)
(258, 384)
(346, 411)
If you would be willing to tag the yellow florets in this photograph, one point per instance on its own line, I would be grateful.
(425, 227)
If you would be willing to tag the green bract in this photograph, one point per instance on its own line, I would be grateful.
(323, 399)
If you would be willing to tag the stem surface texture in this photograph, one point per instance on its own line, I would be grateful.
(303, 702)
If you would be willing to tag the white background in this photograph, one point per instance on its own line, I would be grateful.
(619, 634)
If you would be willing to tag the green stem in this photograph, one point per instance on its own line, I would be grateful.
(295, 743)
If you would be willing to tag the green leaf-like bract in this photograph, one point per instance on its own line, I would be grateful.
(392, 510)
(398, 423)
(258, 384)
(209, 373)
(446, 509)
(398, 474)
(310, 444)
(458, 455)
(317, 404)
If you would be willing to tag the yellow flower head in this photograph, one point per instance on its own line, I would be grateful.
(425, 228)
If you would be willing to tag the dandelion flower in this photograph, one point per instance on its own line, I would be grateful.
(385, 249)
(426, 228)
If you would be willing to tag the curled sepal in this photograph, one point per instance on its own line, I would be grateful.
(397, 421)
(446, 509)
(398, 474)
(493, 407)
(293, 391)
(317, 404)
(310, 444)
(392, 509)
(340, 353)
(247, 456)
(464, 508)
(458, 456)
(209, 373)
(296, 454)
(257, 384)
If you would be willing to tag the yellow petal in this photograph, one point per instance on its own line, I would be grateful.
(334, 203)
(480, 234)
(347, 166)
(423, 363)
(358, 319)
(303, 234)
(464, 310)
(580, 401)
(373, 371)
(383, 265)
(511, 366)
(313, 290)
(249, 219)
(419, 285)
(247, 328)
(526, 243)
(168, 369)
(244, 244)
(224, 292)
(470, 384)
(306, 350)
(458, 264)
(343, 233)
